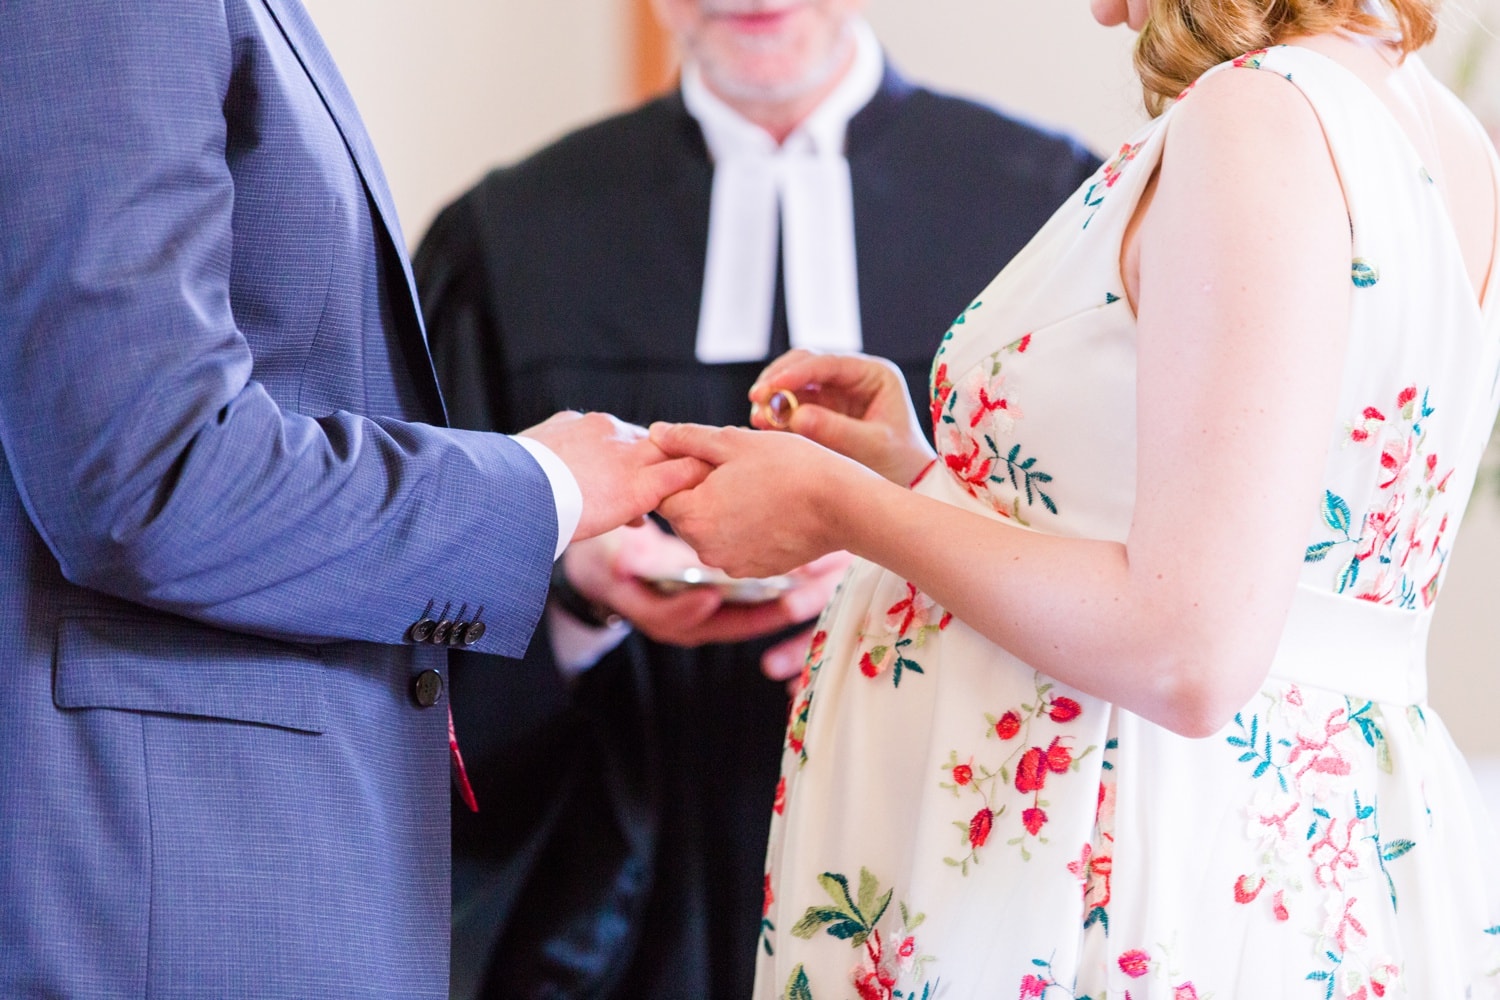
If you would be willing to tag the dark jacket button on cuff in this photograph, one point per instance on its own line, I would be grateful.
(473, 633)
(440, 632)
(426, 687)
(456, 634)
(421, 630)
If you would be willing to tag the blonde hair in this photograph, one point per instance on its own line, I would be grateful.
(1183, 38)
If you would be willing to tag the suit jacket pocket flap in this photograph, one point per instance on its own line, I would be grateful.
(180, 668)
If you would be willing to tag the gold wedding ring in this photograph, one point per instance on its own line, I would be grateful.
(779, 409)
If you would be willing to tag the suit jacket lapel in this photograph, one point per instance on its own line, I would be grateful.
(305, 41)
(317, 62)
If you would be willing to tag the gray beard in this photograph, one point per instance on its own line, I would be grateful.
(817, 76)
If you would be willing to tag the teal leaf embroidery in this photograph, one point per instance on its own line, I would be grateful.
(1364, 273)
(1395, 848)
(1315, 553)
(798, 987)
(845, 920)
(1336, 512)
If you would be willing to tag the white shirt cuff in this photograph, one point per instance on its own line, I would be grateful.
(566, 495)
(576, 646)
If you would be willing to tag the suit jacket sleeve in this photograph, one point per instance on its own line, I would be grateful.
(148, 457)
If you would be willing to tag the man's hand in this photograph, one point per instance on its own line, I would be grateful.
(612, 568)
(855, 404)
(622, 475)
(769, 505)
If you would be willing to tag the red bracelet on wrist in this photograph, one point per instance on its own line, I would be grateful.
(923, 474)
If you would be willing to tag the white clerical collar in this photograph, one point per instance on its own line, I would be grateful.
(803, 184)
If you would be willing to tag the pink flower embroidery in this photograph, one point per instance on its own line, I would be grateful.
(1135, 963)
(1094, 870)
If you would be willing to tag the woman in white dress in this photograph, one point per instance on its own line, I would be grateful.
(1125, 696)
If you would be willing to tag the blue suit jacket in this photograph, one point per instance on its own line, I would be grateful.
(219, 515)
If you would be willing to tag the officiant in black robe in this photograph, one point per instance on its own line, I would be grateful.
(624, 806)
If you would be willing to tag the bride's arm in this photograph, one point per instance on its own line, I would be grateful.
(1243, 293)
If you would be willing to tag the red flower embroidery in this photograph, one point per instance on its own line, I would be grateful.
(1185, 992)
(1059, 757)
(815, 650)
(1064, 710)
(1031, 773)
(770, 897)
(979, 827)
(970, 470)
(1033, 987)
(779, 805)
(1278, 905)
(1008, 726)
(942, 388)
(907, 608)
(962, 775)
(872, 985)
(986, 406)
(1033, 819)
(1135, 963)
(1247, 887)
(868, 666)
(1406, 395)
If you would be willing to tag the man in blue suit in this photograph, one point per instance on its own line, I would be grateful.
(237, 540)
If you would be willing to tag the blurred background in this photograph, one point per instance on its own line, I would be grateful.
(450, 88)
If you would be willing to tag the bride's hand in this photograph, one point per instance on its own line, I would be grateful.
(855, 404)
(770, 504)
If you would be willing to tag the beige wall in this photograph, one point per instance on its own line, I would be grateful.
(451, 87)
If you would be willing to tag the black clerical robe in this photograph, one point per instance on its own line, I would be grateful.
(619, 847)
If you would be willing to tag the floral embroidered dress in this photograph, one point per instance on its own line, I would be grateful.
(953, 824)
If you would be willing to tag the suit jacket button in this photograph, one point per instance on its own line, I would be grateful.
(473, 633)
(440, 632)
(426, 687)
(421, 629)
(456, 634)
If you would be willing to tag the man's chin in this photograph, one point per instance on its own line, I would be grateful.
(771, 69)
(759, 88)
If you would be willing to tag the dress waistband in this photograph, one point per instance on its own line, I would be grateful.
(1371, 651)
